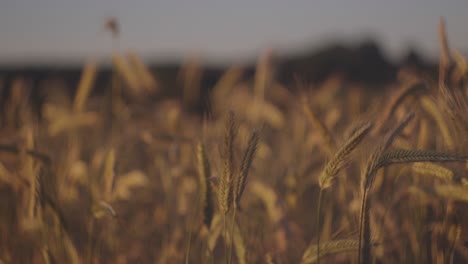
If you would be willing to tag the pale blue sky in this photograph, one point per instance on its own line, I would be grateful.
(220, 30)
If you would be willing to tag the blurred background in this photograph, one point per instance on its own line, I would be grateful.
(348, 36)
(126, 127)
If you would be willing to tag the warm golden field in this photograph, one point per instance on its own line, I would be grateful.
(270, 174)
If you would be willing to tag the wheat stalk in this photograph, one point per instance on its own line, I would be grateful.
(409, 89)
(334, 166)
(430, 106)
(313, 119)
(342, 156)
(206, 191)
(368, 177)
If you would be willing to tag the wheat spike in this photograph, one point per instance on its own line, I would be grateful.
(247, 159)
(342, 155)
(225, 189)
(428, 168)
(410, 155)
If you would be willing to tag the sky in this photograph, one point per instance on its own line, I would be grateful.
(218, 30)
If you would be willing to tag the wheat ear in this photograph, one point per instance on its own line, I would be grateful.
(334, 166)
(342, 156)
(247, 159)
(368, 178)
(225, 189)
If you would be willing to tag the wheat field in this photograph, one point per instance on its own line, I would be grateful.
(314, 173)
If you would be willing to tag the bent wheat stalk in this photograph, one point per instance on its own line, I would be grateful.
(368, 178)
(334, 166)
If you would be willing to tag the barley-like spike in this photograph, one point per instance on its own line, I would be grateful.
(342, 155)
(247, 159)
(225, 188)
(408, 155)
(432, 169)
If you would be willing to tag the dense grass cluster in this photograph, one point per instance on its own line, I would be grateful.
(330, 173)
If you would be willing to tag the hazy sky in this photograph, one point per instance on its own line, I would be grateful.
(220, 30)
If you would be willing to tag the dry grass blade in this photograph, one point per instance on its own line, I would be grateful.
(215, 232)
(239, 245)
(147, 80)
(206, 192)
(342, 155)
(223, 87)
(430, 106)
(127, 73)
(320, 126)
(444, 52)
(329, 248)
(245, 167)
(84, 87)
(270, 199)
(395, 101)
